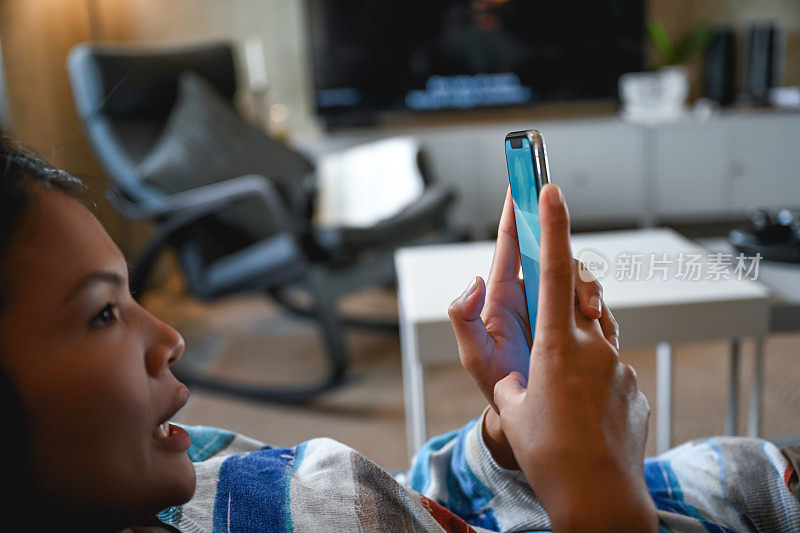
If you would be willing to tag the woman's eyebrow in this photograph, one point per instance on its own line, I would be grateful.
(99, 276)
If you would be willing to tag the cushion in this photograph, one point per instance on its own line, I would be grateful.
(205, 141)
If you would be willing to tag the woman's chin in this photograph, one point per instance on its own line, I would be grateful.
(174, 484)
(185, 483)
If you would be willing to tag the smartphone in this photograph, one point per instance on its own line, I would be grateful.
(528, 172)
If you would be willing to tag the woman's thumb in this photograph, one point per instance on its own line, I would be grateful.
(509, 389)
(465, 314)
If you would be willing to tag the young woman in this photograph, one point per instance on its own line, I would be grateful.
(87, 394)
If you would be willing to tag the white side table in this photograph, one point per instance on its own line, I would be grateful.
(650, 312)
(783, 279)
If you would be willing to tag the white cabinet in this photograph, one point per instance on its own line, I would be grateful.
(614, 173)
(597, 163)
(716, 169)
(763, 161)
(690, 164)
(599, 166)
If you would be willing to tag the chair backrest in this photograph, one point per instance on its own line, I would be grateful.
(124, 95)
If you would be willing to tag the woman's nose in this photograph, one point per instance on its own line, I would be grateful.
(178, 346)
(167, 348)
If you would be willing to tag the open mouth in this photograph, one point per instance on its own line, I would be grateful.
(171, 437)
(162, 430)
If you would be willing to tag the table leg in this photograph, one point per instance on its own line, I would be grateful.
(664, 400)
(732, 413)
(413, 389)
(756, 393)
(648, 217)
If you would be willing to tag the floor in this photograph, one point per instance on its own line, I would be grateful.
(251, 339)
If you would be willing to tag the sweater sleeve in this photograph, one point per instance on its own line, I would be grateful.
(457, 471)
(717, 484)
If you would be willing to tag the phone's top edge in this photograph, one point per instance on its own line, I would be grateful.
(521, 134)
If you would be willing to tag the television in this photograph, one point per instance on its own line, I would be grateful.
(373, 57)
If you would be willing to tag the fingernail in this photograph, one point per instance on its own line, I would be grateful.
(614, 340)
(554, 196)
(594, 303)
(471, 288)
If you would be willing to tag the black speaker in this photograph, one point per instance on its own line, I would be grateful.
(761, 62)
(775, 236)
(719, 67)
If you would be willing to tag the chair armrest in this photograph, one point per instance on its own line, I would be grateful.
(188, 206)
(177, 211)
(426, 212)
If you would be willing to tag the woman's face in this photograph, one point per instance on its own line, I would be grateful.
(92, 368)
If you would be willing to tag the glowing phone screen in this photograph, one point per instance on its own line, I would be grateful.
(525, 194)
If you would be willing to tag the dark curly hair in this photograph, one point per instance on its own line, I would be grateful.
(20, 170)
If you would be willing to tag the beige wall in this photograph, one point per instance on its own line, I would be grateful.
(36, 38)
(278, 23)
(5, 114)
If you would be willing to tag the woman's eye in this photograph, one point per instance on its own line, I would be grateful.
(106, 316)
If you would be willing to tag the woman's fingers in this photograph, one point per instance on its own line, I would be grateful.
(589, 294)
(588, 291)
(506, 261)
(556, 289)
(465, 316)
(610, 327)
(509, 390)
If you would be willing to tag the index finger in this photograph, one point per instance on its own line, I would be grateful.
(506, 261)
(556, 283)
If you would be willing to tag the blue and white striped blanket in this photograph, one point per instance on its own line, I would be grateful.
(718, 484)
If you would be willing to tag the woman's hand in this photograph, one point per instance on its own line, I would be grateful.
(578, 424)
(493, 330)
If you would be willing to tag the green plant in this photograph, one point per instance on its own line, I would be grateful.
(672, 52)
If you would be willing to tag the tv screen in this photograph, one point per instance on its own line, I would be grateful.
(374, 56)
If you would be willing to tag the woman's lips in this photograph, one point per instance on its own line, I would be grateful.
(172, 438)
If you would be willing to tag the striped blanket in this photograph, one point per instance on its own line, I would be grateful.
(718, 484)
